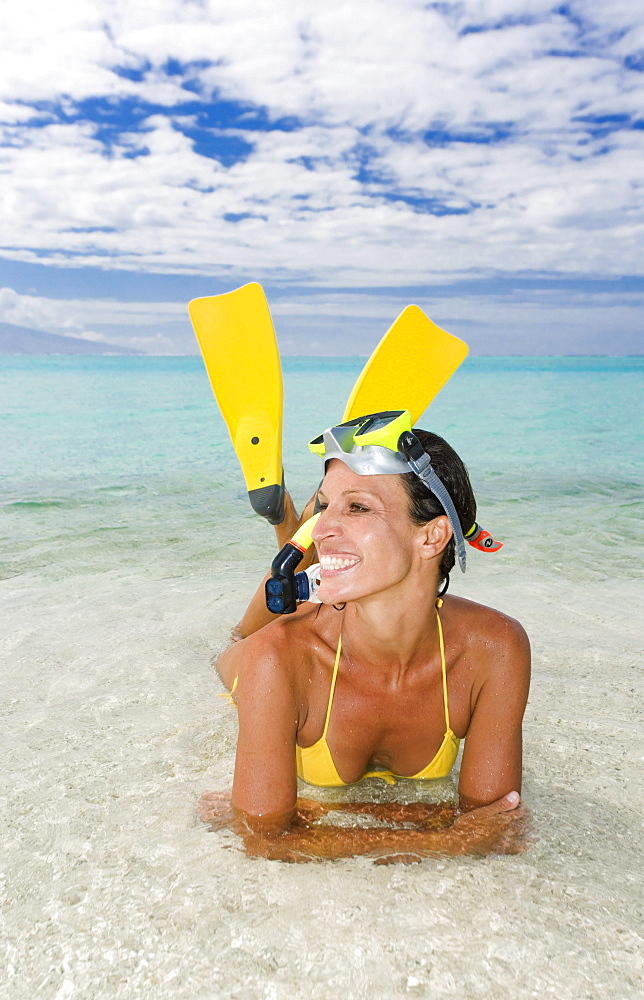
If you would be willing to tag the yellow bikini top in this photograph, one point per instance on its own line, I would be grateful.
(316, 766)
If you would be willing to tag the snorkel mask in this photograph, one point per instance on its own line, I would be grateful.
(374, 445)
(383, 444)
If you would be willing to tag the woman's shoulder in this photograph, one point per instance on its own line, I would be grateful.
(284, 648)
(494, 654)
(489, 634)
(293, 637)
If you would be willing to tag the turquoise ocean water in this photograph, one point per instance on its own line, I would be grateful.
(127, 552)
(119, 461)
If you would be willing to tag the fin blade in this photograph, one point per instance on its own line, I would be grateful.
(408, 368)
(237, 340)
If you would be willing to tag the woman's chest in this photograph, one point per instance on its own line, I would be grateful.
(395, 726)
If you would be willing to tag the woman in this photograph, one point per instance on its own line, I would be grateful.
(385, 676)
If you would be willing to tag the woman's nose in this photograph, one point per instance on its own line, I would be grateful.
(327, 525)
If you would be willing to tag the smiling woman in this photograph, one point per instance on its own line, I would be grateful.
(383, 677)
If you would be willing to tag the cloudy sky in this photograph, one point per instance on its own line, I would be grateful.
(484, 159)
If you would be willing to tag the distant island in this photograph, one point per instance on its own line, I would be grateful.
(22, 340)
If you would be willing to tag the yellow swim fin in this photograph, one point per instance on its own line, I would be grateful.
(237, 340)
(410, 365)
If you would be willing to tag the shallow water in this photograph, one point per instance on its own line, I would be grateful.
(127, 555)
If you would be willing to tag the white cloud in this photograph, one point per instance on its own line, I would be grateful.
(148, 326)
(327, 201)
(519, 321)
(535, 206)
(516, 321)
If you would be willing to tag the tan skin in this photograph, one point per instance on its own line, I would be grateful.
(388, 704)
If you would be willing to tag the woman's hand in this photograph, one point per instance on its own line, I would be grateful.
(502, 827)
(215, 809)
(470, 817)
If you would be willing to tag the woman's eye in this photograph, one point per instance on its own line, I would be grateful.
(354, 508)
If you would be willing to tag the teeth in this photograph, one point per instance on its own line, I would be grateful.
(337, 562)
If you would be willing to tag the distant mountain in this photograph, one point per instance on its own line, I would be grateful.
(22, 340)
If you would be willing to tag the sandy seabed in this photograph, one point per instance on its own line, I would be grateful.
(112, 887)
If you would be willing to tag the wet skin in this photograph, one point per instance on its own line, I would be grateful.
(413, 831)
(388, 705)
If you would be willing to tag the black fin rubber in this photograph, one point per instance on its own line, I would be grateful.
(268, 502)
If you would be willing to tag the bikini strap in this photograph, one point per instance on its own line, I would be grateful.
(332, 691)
(229, 694)
(441, 645)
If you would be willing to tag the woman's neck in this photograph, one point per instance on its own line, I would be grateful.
(394, 629)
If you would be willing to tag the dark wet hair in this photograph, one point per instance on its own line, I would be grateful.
(423, 505)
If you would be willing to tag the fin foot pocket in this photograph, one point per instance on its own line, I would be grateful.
(268, 502)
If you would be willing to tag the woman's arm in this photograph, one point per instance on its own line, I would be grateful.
(492, 756)
(401, 833)
(265, 780)
(257, 614)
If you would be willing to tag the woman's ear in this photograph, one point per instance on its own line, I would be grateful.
(434, 536)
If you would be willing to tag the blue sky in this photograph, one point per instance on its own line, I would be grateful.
(483, 159)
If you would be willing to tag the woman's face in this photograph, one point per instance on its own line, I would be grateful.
(365, 538)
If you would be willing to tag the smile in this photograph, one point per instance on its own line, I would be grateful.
(337, 563)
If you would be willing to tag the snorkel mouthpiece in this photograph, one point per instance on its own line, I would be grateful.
(286, 589)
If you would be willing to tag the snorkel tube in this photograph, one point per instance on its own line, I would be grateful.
(481, 539)
(286, 589)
